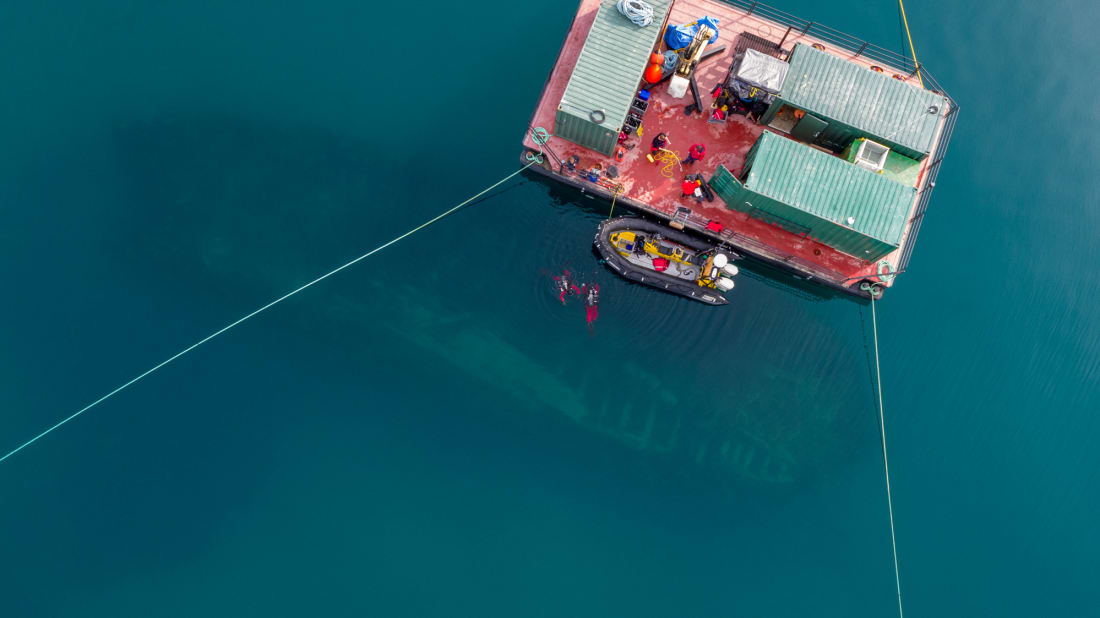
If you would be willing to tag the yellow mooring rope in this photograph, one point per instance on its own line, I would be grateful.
(667, 158)
(614, 196)
(912, 50)
(885, 460)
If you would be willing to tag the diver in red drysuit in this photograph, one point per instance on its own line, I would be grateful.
(565, 286)
(591, 294)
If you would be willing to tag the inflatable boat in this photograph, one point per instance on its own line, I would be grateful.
(666, 259)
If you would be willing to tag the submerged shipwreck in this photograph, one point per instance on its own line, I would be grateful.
(821, 149)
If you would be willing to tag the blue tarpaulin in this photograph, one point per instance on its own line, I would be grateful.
(678, 37)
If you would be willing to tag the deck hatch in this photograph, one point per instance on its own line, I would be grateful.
(606, 77)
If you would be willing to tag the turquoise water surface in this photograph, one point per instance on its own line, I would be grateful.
(431, 433)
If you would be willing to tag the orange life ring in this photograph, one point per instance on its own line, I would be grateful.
(819, 47)
(899, 77)
(876, 68)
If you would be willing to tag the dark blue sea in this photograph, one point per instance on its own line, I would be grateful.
(430, 433)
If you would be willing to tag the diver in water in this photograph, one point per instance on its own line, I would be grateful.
(591, 294)
(565, 286)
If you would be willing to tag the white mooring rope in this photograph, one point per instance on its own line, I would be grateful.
(636, 11)
(885, 460)
(269, 305)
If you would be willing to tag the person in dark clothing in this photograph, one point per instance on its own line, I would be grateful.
(721, 96)
(565, 286)
(659, 142)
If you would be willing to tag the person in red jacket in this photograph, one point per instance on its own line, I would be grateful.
(689, 186)
(695, 153)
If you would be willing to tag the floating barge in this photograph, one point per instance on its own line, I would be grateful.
(829, 179)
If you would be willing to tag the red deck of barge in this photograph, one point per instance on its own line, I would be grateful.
(646, 188)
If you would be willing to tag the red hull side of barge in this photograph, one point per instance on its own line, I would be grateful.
(648, 190)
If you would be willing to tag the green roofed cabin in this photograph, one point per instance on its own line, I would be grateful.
(836, 160)
(843, 101)
(817, 195)
(601, 89)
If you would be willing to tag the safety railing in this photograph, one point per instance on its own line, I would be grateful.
(796, 26)
(737, 239)
(929, 182)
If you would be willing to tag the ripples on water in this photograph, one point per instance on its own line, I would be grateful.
(152, 195)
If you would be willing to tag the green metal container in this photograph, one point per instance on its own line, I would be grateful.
(606, 77)
(816, 195)
(855, 101)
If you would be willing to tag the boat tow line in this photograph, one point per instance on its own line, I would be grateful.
(615, 195)
(912, 50)
(539, 135)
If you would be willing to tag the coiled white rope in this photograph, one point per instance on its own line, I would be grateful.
(636, 11)
(539, 139)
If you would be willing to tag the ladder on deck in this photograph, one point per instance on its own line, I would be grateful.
(680, 218)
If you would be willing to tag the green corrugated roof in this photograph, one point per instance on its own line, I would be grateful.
(876, 103)
(611, 63)
(829, 187)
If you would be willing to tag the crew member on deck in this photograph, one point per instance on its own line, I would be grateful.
(695, 153)
(659, 142)
(689, 187)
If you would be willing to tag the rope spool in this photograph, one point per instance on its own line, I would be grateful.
(668, 158)
(638, 12)
(873, 289)
(540, 136)
(886, 271)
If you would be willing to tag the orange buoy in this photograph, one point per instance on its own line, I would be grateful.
(656, 58)
(653, 73)
(876, 68)
(819, 47)
(898, 77)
